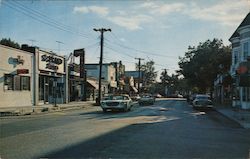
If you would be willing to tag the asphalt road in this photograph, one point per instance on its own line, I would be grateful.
(168, 129)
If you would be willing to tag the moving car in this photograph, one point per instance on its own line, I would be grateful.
(116, 102)
(146, 99)
(202, 101)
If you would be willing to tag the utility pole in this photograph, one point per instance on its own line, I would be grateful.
(59, 42)
(139, 80)
(164, 80)
(32, 41)
(101, 30)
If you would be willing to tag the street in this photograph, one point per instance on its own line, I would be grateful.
(168, 129)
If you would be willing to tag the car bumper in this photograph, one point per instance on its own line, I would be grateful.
(114, 107)
(203, 106)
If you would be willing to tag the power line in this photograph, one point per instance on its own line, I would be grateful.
(137, 50)
(118, 51)
(34, 16)
(47, 17)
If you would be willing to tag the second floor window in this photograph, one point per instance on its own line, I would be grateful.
(235, 57)
(245, 50)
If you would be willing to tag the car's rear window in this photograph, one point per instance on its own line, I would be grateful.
(202, 97)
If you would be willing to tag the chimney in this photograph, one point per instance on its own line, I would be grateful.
(28, 48)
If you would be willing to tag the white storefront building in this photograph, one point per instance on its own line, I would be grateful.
(16, 77)
(31, 77)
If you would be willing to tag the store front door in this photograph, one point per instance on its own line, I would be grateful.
(46, 93)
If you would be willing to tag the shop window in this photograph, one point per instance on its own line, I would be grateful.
(8, 82)
(246, 94)
(16, 82)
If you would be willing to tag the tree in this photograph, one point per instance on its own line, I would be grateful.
(201, 64)
(149, 73)
(10, 43)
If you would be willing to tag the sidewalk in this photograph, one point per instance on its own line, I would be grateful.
(240, 116)
(30, 110)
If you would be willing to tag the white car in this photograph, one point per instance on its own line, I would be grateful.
(202, 101)
(116, 102)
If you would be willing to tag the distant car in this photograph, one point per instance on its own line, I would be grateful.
(202, 101)
(146, 99)
(157, 95)
(135, 97)
(179, 96)
(116, 102)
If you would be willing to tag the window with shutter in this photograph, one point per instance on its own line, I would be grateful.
(25, 83)
(17, 83)
(8, 82)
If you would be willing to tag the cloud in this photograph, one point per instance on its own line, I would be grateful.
(131, 22)
(148, 5)
(162, 9)
(122, 39)
(223, 13)
(81, 10)
(101, 11)
(168, 8)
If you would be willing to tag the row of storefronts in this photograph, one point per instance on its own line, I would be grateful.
(30, 77)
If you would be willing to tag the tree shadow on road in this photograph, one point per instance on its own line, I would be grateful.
(187, 137)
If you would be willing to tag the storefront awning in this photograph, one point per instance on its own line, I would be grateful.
(93, 83)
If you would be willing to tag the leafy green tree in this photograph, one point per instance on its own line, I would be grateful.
(201, 64)
(10, 43)
(149, 73)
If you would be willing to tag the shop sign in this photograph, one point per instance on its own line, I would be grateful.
(51, 62)
(22, 71)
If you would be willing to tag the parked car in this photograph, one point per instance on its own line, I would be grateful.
(146, 99)
(116, 102)
(202, 101)
(191, 98)
(135, 97)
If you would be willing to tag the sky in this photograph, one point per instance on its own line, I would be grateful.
(159, 30)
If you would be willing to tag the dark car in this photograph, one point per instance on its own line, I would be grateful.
(146, 99)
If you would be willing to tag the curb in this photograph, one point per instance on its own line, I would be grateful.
(24, 111)
(243, 125)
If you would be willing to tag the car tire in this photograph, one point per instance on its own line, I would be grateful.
(125, 109)
(104, 110)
